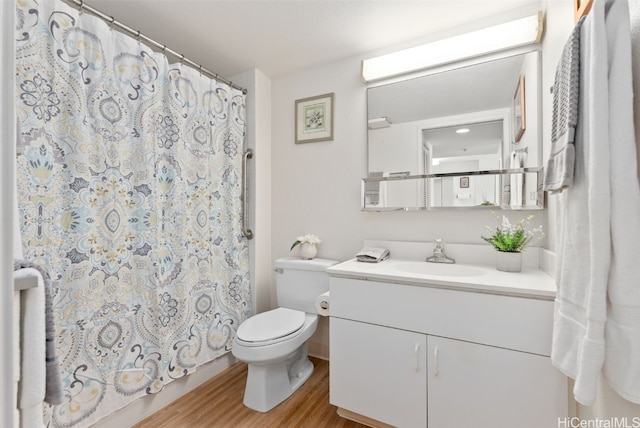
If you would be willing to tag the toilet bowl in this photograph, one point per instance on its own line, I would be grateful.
(274, 343)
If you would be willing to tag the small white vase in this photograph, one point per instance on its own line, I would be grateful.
(308, 251)
(508, 262)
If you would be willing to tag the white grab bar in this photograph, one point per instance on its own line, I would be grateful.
(248, 154)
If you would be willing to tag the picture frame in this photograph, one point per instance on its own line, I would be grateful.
(464, 182)
(519, 112)
(314, 119)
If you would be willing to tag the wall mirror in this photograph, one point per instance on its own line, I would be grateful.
(464, 137)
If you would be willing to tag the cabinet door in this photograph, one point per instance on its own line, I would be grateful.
(480, 386)
(379, 372)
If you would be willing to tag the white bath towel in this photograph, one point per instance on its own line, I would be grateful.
(634, 12)
(622, 361)
(599, 231)
(16, 353)
(584, 240)
(31, 388)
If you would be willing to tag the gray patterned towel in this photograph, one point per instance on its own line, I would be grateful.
(54, 393)
(560, 166)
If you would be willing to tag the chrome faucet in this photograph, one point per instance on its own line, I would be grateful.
(438, 254)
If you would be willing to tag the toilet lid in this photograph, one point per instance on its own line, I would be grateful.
(271, 325)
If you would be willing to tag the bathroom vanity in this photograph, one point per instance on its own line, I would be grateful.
(416, 344)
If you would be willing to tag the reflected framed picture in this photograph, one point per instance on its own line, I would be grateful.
(314, 119)
(519, 113)
(464, 182)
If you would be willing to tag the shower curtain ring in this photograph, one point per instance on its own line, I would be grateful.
(111, 23)
(80, 9)
(181, 59)
(138, 36)
(164, 48)
(200, 69)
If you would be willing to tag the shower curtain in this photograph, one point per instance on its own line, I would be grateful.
(129, 184)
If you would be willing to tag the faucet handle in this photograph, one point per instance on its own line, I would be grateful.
(439, 243)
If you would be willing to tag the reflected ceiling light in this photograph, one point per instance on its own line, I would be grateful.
(435, 162)
(379, 122)
(512, 34)
(462, 130)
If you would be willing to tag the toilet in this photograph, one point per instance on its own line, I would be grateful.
(274, 343)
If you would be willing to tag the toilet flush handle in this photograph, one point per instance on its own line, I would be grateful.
(279, 270)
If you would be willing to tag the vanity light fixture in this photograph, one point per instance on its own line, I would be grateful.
(462, 130)
(511, 34)
(379, 122)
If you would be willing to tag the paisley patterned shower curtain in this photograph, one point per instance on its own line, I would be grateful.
(129, 194)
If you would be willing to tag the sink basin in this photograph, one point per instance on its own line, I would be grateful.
(440, 269)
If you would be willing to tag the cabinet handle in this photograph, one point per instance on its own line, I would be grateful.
(436, 372)
(416, 355)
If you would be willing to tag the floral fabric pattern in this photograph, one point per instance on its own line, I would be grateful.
(129, 184)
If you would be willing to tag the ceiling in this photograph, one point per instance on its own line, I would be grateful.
(279, 37)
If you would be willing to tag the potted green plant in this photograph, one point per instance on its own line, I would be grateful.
(510, 240)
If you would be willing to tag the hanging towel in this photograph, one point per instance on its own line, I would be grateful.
(372, 189)
(31, 388)
(53, 384)
(516, 181)
(584, 242)
(560, 166)
(16, 353)
(596, 324)
(622, 358)
(634, 12)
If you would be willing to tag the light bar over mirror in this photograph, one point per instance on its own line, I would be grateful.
(508, 35)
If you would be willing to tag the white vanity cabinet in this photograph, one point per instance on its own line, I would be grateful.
(379, 372)
(412, 355)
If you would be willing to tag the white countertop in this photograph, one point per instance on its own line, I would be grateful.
(531, 282)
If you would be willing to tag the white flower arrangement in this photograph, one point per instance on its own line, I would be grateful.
(306, 239)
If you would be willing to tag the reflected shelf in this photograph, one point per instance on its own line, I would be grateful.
(460, 190)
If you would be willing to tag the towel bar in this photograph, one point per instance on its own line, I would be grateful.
(25, 283)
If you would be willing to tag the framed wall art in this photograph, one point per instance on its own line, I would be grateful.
(314, 119)
(519, 113)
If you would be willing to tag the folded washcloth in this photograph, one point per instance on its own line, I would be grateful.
(372, 255)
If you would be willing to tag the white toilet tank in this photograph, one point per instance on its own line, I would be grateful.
(300, 281)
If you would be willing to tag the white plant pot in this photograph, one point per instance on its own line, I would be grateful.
(508, 262)
(308, 251)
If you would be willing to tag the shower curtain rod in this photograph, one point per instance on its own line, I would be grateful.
(81, 6)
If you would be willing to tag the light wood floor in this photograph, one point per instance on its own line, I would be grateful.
(218, 404)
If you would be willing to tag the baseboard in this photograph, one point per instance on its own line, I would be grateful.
(318, 350)
(356, 417)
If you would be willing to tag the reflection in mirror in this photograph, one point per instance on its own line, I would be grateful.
(481, 189)
(472, 147)
(416, 127)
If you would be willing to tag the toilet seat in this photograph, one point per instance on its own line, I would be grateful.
(271, 327)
